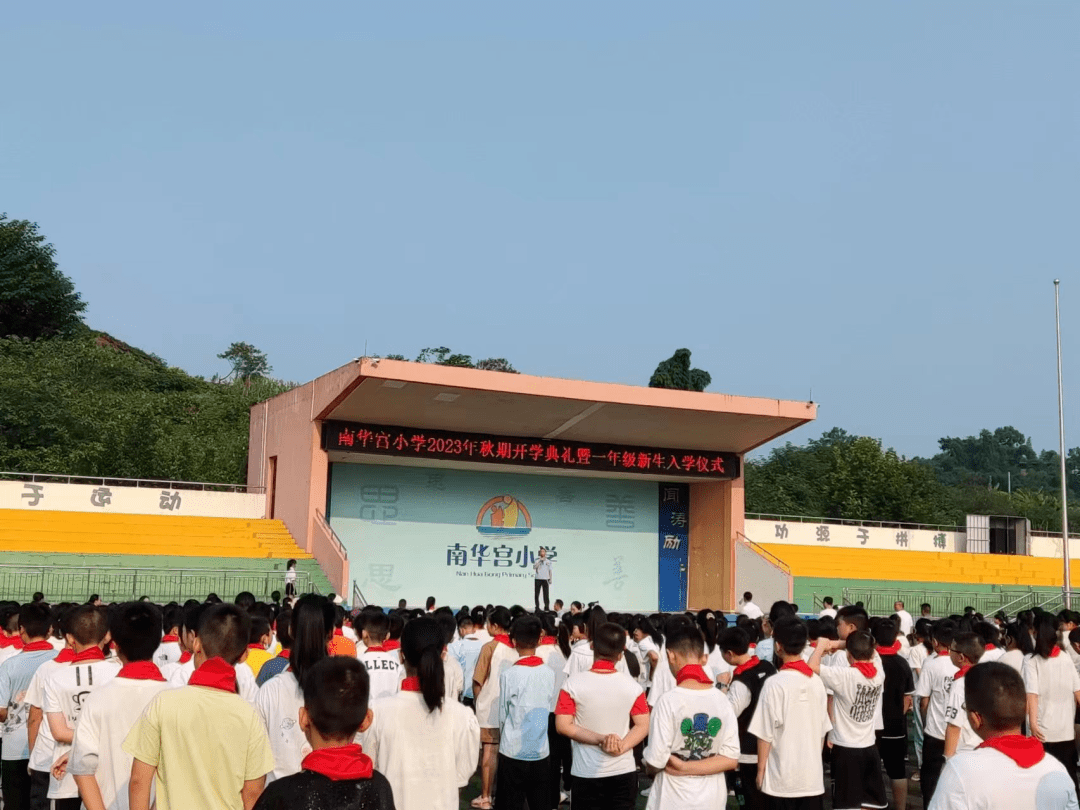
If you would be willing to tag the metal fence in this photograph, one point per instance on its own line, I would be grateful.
(880, 601)
(118, 583)
(150, 483)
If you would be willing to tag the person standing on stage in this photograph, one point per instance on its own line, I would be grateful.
(542, 567)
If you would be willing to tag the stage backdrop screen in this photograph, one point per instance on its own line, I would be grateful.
(470, 538)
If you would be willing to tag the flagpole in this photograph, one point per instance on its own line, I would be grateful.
(1066, 586)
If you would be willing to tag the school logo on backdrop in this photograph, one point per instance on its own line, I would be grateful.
(503, 514)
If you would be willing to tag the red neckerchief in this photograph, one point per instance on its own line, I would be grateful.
(529, 661)
(503, 638)
(753, 646)
(692, 672)
(749, 663)
(892, 649)
(377, 648)
(141, 671)
(603, 666)
(867, 668)
(1024, 751)
(813, 645)
(65, 656)
(990, 647)
(89, 654)
(340, 763)
(37, 646)
(392, 644)
(1054, 653)
(799, 666)
(960, 673)
(185, 657)
(216, 674)
(548, 640)
(256, 647)
(170, 639)
(8, 641)
(410, 684)
(338, 631)
(284, 653)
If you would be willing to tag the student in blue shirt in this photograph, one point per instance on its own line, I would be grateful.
(526, 691)
(466, 651)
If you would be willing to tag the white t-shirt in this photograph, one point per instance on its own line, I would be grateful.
(426, 756)
(917, 658)
(278, 704)
(182, 673)
(41, 757)
(855, 705)
(692, 724)
(956, 715)
(935, 683)
(487, 705)
(453, 678)
(986, 779)
(646, 646)
(996, 654)
(168, 652)
(602, 702)
(1015, 659)
(104, 723)
(907, 624)
(581, 659)
(717, 666)
(792, 715)
(384, 672)
(556, 662)
(1055, 681)
(64, 692)
(751, 610)
(245, 679)
(830, 612)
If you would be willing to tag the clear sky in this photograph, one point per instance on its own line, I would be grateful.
(866, 201)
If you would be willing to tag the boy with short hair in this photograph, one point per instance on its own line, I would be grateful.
(40, 737)
(965, 652)
(169, 650)
(790, 723)
(466, 651)
(205, 744)
(337, 774)
(495, 656)
(16, 673)
(595, 710)
(67, 687)
(100, 767)
(340, 644)
(693, 732)
(746, 682)
(526, 691)
(258, 644)
(856, 691)
(1007, 771)
(935, 683)
(383, 666)
(279, 663)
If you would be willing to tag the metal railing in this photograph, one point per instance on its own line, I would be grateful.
(879, 524)
(150, 483)
(61, 583)
(769, 556)
(358, 600)
(880, 601)
(333, 534)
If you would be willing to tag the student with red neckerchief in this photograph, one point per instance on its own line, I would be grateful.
(693, 732)
(99, 765)
(965, 652)
(1053, 691)
(204, 743)
(495, 656)
(170, 650)
(935, 683)
(1008, 771)
(856, 690)
(64, 691)
(604, 713)
(897, 698)
(790, 723)
(383, 665)
(41, 740)
(336, 774)
(526, 691)
(423, 743)
(747, 680)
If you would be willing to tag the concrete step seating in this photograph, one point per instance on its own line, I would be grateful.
(24, 530)
(920, 566)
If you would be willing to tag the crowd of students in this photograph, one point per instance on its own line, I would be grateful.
(253, 705)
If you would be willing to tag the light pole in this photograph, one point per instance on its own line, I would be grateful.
(1067, 584)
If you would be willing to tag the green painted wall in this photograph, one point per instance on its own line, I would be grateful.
(944, 598)
(74, 577)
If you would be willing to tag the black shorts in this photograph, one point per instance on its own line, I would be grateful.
(893, 752)
(799, 803)
(856, 778)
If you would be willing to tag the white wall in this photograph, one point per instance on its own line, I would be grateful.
(129, 500)
(834, 534)
(756, 574)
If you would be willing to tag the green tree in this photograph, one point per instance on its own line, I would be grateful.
(36, 299)
(675, 372)
(247, 362)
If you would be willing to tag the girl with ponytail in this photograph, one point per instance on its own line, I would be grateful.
(279, 699)
(422, 742)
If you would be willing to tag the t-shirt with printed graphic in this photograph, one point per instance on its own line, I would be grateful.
(692, 724)
(935, 682)
(384, 672)
(956, 715)
(855, 705)
(15, 676)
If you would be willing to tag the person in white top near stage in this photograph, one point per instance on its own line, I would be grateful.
(542, 567)
(907, 623)
(749, 608)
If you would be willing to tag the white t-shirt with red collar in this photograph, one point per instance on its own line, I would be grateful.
(935, 683)
(384, 672)
(956, 713)
(856, 701)
(602, 700)
(792, 716)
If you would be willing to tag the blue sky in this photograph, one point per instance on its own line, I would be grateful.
(867, 202)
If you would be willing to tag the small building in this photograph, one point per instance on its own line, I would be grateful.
(406, 480)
